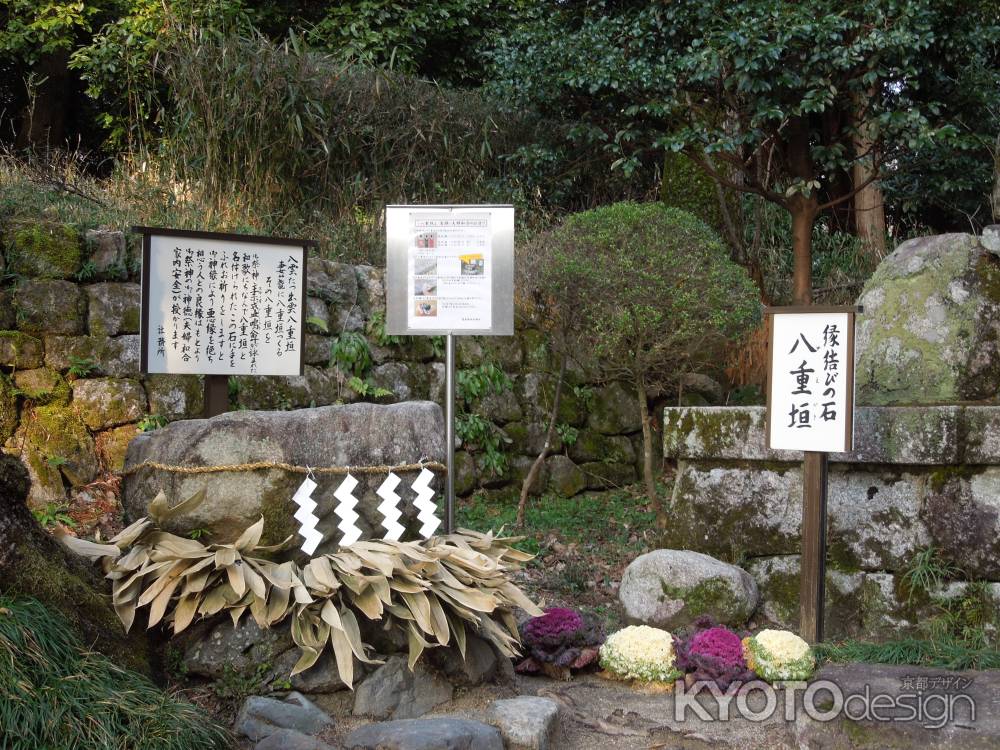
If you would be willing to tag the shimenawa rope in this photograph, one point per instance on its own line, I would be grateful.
(260, 465)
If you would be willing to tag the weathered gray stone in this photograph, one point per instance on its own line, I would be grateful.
(316, 350)
(593, 446)
(930, 332)
(108, 402)
(614, 411)
(317, 316)
(43, 250)
(321, 677)
(962, 513)
(704, 385)
(371, 290)
(50, 307)
(393, 691)
(526, 722)
(116, 357)
(332, 281)
(239, 648)
(353, 435)
(62, 440)
(778, 581)
(175, 396)
(436, 382)
(518, 472)
(347, 316)
(402, 379)
(289, 739)
(669, 588)
(108, 253)
(425, 734)
(604, 476)
(469, 351)
(565, 477)
(529, 438)
(499, 408)
(479, 664)
(113, 308)
(991, 238)
(46, 480)
(20, 351)
(261, 717)
(272, 392)
(466, 477)
(113, 444)
(42, 385)
(924, 435)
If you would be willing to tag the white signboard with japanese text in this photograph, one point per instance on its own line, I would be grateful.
(810, 400)
(449, 269)
(217, 304)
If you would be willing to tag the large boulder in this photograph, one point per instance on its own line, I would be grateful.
(353, 435)
(930, 332)
(670, 588)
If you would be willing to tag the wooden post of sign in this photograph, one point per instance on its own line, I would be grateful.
(216, 395)
(813, 560)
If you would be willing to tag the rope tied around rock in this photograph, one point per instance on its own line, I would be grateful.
(293, 468)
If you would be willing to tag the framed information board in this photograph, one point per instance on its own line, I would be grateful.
(449, 270)
(222, 304)
(810, 395)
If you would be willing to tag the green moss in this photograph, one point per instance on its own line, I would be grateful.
(718, 431)
(988, 272)
(278, 521)
(43, 385)
(59, 587)
(8, 408)
(58, 433)
(942, 477)
(44, 251)
(712, 596)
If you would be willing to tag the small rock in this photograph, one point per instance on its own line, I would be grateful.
(175, 396)
(393, 691)
(565, 477)
(113, 308)
(239, 648)
(478, 666)
(425, 734)
(707, 386)
(261, 717)
(526, 722)
(289, 739)
(20, 351)
(669, 588)
(107, 253)
(317, 315)
(614, 411)
(332, 281)
(108, 402)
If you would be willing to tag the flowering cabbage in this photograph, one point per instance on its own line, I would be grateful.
(561, 637)
(640, 652)
(712, 653)
(777, 655)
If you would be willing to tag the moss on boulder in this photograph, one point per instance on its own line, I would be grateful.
(44, 250)
(20, 351)
(8, 408)
(43, 385)
(58, 433)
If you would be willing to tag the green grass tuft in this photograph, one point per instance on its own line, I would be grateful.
(54, 693)
(911, 652)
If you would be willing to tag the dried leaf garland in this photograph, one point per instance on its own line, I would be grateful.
(436, 591)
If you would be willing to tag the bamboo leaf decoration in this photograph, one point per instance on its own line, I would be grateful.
(434, 591)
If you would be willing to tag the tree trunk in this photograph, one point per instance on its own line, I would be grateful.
(996, 182)
(550, 433)
(43, 121)
(869, 207)
(647, 442)
(34, 564)
(803, 216)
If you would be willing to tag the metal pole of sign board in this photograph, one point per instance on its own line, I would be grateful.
(449, 272)
(839, 379)
(449, 400)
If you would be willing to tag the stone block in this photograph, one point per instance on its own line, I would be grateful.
(43, 250)
(20, 351)
(175, 396)
(58, 307)
(116, 357)
(108, 402)
(113, 308)
(353, 435)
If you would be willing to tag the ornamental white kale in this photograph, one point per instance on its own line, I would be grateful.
(777, 655)
(639, 652)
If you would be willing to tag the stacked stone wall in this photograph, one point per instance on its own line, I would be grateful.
(72, 396)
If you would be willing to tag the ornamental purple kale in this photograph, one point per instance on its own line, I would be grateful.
(712, 653)
(561, 638)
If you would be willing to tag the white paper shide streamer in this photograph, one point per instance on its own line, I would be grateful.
(305, 516)
(425, 504)
(389, 507)
(345, 511)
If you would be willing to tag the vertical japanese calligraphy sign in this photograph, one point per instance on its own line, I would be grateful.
(810, 408)
(810, 389)
(221, 304)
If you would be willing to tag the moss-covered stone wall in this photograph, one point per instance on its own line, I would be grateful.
(72, 396)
